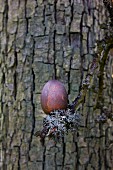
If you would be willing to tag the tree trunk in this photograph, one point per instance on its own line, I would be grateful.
(41, 40)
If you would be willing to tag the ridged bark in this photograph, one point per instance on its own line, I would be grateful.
(41, 40)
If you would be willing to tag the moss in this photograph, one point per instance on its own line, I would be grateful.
(103, 49)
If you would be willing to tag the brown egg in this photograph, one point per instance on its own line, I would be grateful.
(53, 96)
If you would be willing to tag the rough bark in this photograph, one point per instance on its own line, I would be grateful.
(41, 40)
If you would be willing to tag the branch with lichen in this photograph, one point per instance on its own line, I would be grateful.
(85, 85)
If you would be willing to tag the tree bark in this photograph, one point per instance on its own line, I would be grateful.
(41, 40)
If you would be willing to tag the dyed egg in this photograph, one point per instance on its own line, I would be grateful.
(53, 96)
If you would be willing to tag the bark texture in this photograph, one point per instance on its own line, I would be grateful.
(41, 40)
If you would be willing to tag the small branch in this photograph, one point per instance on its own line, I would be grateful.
(99, 60)
(85, 85)
(102, 64)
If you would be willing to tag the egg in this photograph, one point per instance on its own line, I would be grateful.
(54, 96)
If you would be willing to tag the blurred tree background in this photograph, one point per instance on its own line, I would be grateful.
(39, 40)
